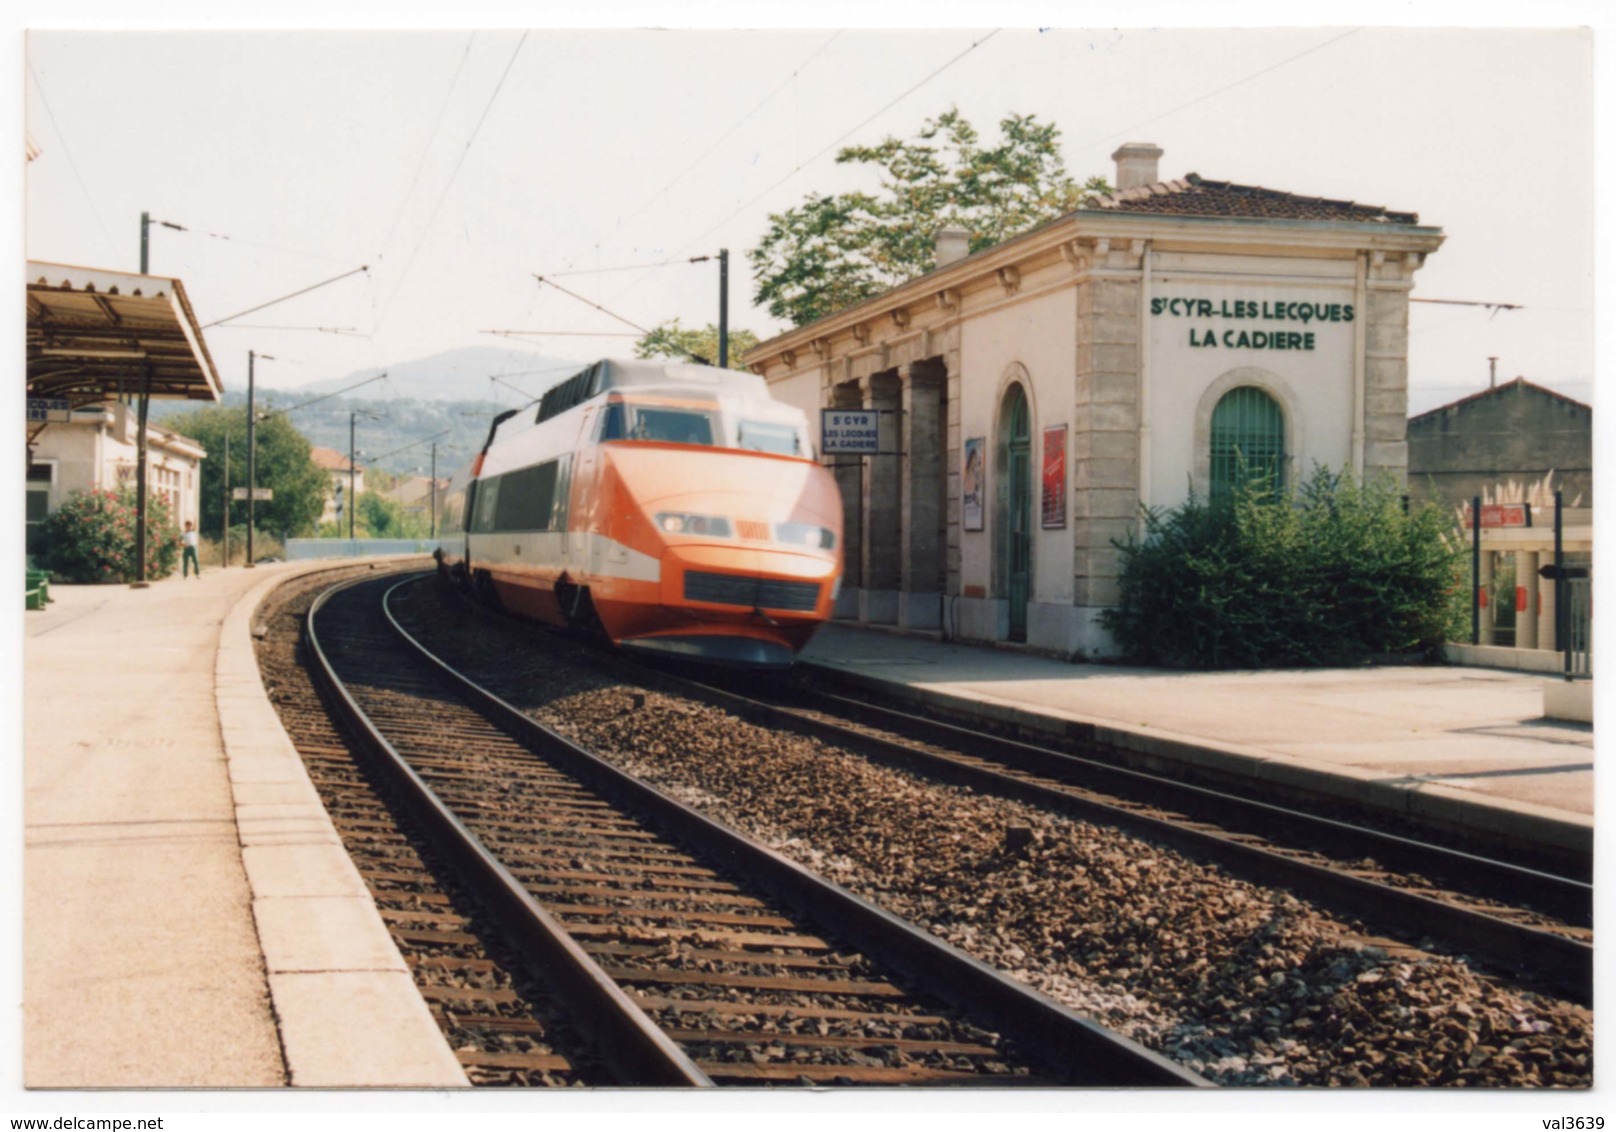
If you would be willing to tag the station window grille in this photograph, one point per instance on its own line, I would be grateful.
(1248, 441)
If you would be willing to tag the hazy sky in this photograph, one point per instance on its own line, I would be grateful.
(457, 163)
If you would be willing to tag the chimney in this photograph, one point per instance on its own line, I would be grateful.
(953, 245)
(1136, 165)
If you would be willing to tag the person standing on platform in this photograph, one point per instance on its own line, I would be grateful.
(190, 560)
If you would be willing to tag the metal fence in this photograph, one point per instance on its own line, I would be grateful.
(1579, 644)
(300, 549)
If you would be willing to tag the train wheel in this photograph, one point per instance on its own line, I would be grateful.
(580, 610)
(483, 586)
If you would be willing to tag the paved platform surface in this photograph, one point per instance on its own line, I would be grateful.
(1460, 741)
(190, 918)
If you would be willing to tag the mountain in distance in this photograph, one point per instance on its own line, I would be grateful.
(444, 402)
(461, 374)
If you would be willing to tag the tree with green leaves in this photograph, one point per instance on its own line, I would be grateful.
(833, 251)
(671, 340)
(283, 466)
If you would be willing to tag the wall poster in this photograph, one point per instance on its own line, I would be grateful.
(973, 484)
(1054, 508)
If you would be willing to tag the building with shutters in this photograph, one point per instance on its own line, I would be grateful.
(1036, 394)
(344, 476)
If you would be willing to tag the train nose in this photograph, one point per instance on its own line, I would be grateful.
(763, 582)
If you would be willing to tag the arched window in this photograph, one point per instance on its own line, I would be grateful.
(1248, 440)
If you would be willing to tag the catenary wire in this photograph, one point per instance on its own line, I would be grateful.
(426, 149)
(72, 164)
(764, 101)
(826, 149)
(459, 163)
(1214, 93)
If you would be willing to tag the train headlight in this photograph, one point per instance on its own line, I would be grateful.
(805, 534)
(683, 523)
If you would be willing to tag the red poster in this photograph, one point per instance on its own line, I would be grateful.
(1054, 477)
(1501, 515)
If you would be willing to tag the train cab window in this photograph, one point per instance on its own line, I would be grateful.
(613, 422)
(766, 436)
(672, 426)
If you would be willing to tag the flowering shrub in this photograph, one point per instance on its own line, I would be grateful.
(91, 537)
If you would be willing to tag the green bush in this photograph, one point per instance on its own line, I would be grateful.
(1332, 572)
(91, 537)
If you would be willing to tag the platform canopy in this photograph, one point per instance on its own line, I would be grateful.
(93, 334)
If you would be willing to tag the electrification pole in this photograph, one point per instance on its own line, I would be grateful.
(352, 499)
(723, 308)
(140, 581)
(145, 237)
(224, 505)
(434, 533)
(252, 453)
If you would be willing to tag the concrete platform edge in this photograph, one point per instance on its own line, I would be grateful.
(368, 1027)
(1519, 822)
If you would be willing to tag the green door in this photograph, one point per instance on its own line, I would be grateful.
(1019, 551)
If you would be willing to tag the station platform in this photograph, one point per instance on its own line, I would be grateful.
(190, 918)
(1466, 748)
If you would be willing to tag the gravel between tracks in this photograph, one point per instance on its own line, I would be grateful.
(1246, 985)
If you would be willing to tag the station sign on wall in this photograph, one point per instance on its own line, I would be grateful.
(850, 432)
(49, 409)
(1281, 323)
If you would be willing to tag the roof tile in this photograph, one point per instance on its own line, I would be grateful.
(1196, 196)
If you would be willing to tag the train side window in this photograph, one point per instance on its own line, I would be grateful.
(487, 500)
(563, 492)
(612, 423)
(526, 499)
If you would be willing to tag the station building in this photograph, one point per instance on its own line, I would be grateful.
(1041, 391)
(96, 449)
(101, 346)
(1513, 446)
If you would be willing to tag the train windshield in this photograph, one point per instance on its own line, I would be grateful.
(648, 422)
(725, 425)
(770, 436)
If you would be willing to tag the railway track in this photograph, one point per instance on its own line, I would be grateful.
(691, 954)
(505, 1029)
(1534, 924)
(1244, 983)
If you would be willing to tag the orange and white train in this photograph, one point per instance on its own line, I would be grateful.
(677, 509)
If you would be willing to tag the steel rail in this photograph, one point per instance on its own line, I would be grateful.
(638, 1051)
(1563, 963)
(1075, 1047)
(1568, 898)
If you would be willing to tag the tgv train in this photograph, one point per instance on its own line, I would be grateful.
(677, 509)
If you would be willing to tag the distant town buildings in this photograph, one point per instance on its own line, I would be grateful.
(336, 465)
